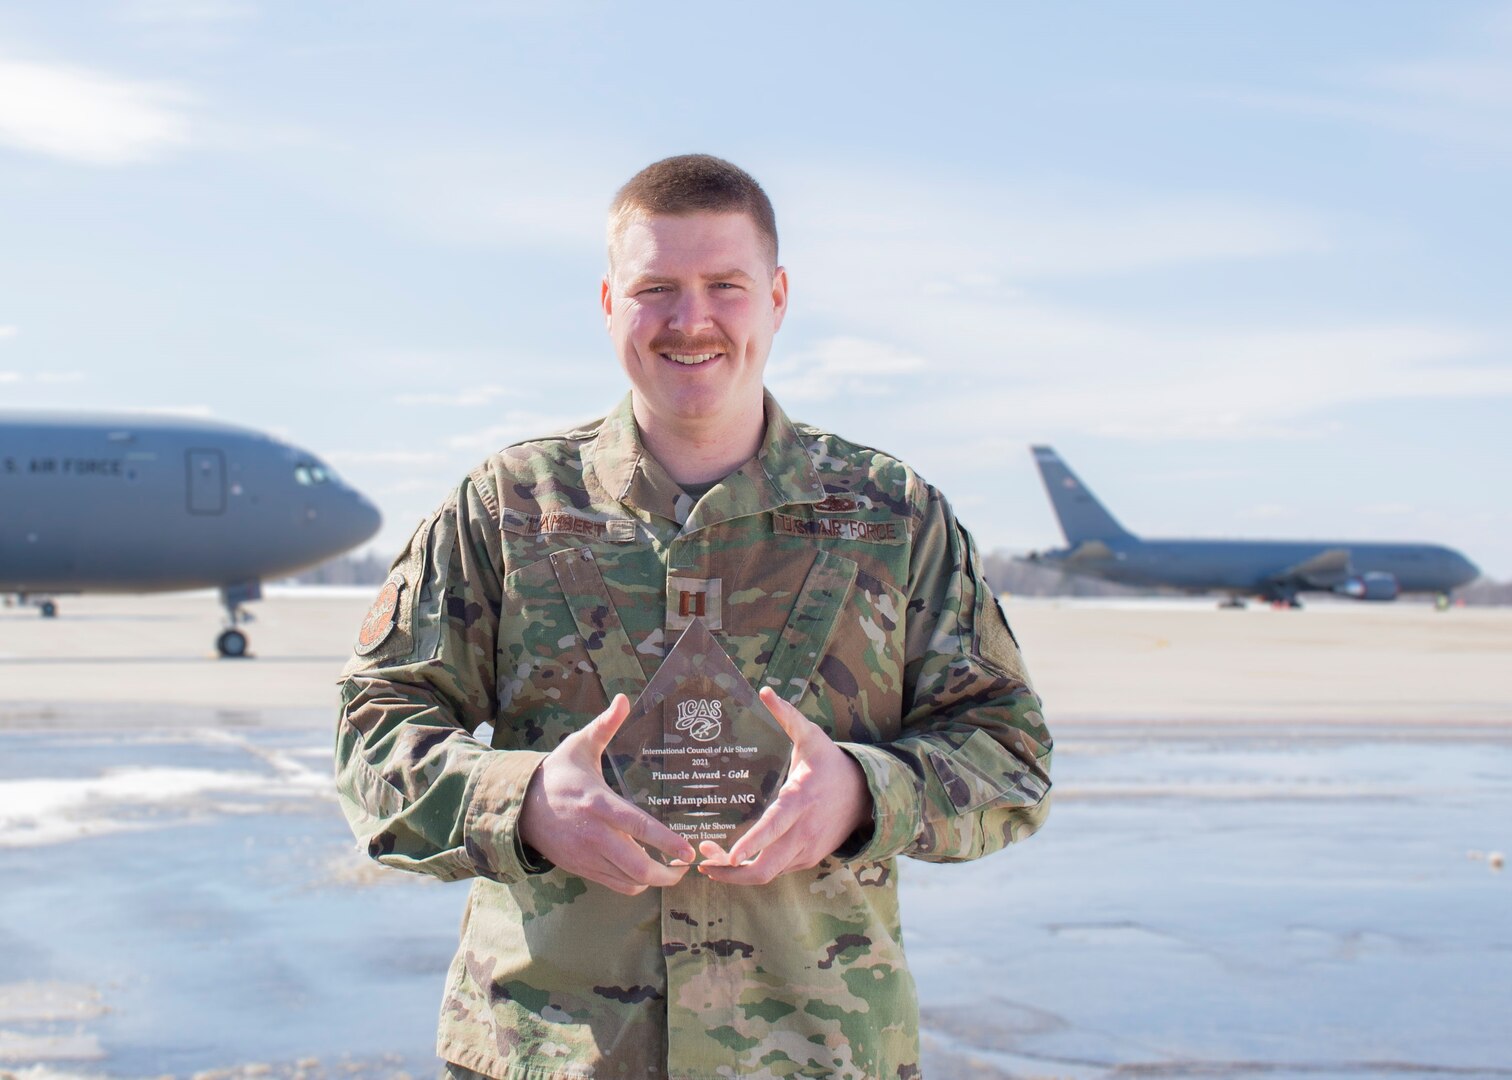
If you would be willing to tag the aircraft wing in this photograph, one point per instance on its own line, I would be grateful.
(1323, 571)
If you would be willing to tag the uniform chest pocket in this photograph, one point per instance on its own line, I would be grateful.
(562, 652)
(840, 655)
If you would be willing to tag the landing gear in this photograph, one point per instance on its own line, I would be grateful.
(232, 643)
(45, 607)
(1233, 603)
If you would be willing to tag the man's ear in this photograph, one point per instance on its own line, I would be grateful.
(779, 296)
(606, 300)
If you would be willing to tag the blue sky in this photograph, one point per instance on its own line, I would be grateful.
(1244, 266)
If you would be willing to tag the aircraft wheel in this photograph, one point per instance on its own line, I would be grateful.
(232, 644)
(48, 609)
(1294, 603)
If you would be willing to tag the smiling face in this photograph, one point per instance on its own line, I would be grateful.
(692, 302)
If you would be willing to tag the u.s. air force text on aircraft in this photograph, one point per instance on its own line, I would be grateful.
(66, 466)
(189, 503)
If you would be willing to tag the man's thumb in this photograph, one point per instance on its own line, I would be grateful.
(792, 722)
(607, 723)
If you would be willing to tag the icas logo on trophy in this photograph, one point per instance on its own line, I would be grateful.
(700, 718)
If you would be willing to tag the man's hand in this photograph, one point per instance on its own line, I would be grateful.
(823, 801)
(573, 818)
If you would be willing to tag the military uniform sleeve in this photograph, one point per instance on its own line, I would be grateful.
(420, 791)
(970, 771)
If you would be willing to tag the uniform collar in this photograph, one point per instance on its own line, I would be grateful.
(781, 473)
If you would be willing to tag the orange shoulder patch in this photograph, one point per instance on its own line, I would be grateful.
(382, 617)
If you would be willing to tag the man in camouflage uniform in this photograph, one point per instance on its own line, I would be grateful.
(543, 594)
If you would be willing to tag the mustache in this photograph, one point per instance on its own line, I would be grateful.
(677, 343)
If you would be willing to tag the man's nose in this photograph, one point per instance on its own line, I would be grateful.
(691, 313)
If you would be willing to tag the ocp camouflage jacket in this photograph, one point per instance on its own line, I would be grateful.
(553, 579)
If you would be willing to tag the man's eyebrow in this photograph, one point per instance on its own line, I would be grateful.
(662, 279)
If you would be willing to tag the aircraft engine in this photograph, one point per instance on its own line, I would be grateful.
(1375, 585)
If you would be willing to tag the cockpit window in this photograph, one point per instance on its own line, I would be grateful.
(308, 473)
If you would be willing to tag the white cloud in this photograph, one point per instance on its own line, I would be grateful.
(7, 332)
(1464, 97)
(195, 412)
(513, 426)
(1469, 83)
(192, 12)
(544, 193)
(468, 398)
(1386, 509)
(1006, 372)
(85, 116)
(411, 458)
(417, 486)
(1068, 371)
(840, 366)
(43, 377)
(186, 25)
(1266, 512)
(966, 238)
(954, 276)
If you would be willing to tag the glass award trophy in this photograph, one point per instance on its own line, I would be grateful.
(699, 751)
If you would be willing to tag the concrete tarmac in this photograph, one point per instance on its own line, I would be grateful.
(1274, 853)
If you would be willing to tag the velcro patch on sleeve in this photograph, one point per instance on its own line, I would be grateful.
(867, 532)
(839, 502)
(382, 617)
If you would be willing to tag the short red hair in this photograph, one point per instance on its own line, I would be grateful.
(693, 184)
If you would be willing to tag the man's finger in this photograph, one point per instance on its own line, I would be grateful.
(713, 854)
(631, 860)
(610, 876)
(773, 861)
(645, 829)
(798, 727)
(602, 728)
(769, 828)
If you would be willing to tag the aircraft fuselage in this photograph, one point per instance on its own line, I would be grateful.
(1258, 567)
(143, 503)
(1099, 546)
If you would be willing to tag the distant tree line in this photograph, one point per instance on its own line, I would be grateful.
(1484, 591)
(1007, 575)
(1010, 576)
(359, 568)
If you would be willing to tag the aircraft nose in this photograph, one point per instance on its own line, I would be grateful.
(364, 518)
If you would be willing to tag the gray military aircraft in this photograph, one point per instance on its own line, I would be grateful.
(140, 502)
(1275, 570)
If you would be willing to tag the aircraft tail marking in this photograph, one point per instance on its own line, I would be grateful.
(1081, 516)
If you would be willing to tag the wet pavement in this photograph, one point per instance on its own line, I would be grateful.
(188, 899)
(179, 896)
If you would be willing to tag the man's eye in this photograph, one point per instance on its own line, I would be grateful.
(725, 285)
(654, 289)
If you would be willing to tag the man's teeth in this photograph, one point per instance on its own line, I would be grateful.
(690, 358)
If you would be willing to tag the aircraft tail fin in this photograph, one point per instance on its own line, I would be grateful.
(1081, 516)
